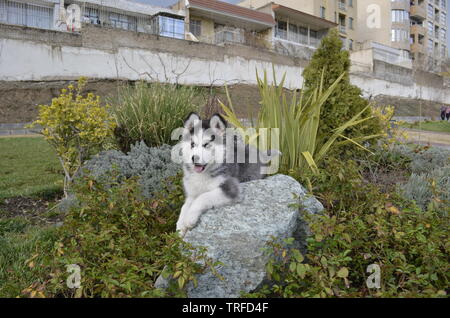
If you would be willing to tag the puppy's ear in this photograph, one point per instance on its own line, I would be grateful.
(191, 120)
(218, 124)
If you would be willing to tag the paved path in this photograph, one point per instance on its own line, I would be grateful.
(438, 139)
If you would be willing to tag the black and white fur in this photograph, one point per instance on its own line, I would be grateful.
(209, 181)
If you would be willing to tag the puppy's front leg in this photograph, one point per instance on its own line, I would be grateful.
(223, 195)
(184, 210)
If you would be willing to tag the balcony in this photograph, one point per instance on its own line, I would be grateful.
(418, 29)
(342, 29)
(418, 12)
(417, 48)
(342, 6)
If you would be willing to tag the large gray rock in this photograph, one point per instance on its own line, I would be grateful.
(235, 235)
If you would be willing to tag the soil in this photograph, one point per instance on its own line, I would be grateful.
(386, 180)
(19, 101)
(34, 209)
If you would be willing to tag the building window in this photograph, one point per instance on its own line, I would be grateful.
(171, 27)
(293, 34)
(281, 30)
(430, 45)
(350, 23)
(350, 45)
(26, 14)
(443, 34)
(430, 28)
(399, 35)
(444, 51)
(91, 16)
(124, 22)
(350, 3)
(400, 16)
(430, 10)
(195, 27)
(296, 33)
(344, 42)
(322, 12)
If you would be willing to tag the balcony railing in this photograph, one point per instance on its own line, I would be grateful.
(418, 11)
(342, 28)
(342, 6)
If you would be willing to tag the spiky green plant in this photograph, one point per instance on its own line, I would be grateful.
(297, 121)
(149, 112)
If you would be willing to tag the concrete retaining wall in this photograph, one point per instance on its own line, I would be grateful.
(100, 53)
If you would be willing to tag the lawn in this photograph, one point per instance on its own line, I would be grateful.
(28, 167)
(437, 126)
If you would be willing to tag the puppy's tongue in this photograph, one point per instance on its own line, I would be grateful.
(199, 168)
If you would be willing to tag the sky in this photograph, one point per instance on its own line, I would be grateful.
(165, 3)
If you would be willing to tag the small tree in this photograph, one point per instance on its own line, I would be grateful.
(74, 125)
(346, 100)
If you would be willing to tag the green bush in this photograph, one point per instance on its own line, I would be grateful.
(151, 166)
(346, 100)
(150, 112)
(121, 243)
(361, 227)
(75, 126)
(429, 188)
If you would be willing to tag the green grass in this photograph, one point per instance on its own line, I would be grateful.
(437, 126)
(28, 167)
(18, 244)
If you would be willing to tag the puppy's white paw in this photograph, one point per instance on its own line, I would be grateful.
(191, 220)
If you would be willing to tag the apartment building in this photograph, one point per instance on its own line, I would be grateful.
(341, 12)
(273, 26)
(416, 28)
(69, 15)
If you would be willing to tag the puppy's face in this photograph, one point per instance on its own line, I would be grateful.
(203, 142)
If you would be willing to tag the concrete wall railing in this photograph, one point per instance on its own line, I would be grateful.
(101, 53)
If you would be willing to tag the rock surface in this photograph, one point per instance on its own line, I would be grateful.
(235, 235)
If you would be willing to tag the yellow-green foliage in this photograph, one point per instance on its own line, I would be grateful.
(391, 134)
(74, 125)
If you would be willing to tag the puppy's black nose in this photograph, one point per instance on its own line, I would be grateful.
(195, 159)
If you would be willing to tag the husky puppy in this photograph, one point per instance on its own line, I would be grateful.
(210, 179)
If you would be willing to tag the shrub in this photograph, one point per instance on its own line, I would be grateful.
(345, 101)
(150, 112)
(151, 166)
(426, 188)
(429, 159)
(121, 244)
(297, 122)
(361, 227)
(75, 126)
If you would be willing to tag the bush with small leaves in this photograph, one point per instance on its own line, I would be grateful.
(151, 166)
(121, 243)
(430, 159)
(429, 188)
(361, 227)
